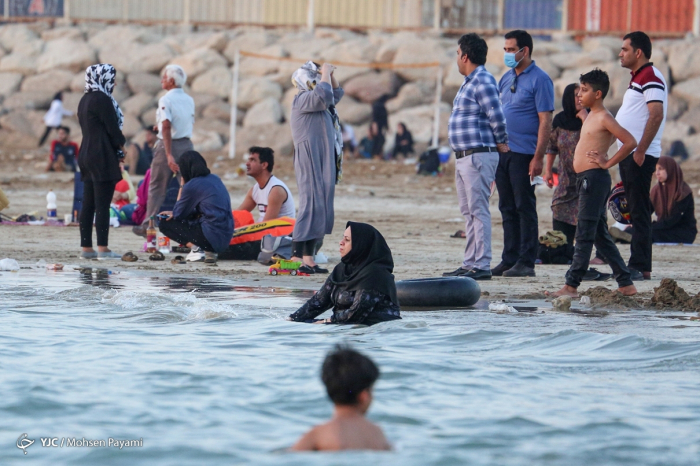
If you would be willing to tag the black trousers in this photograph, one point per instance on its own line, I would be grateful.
(97, 196)
(45, 135)
(518, 207)
(306, 248)
(185, 232)
(592, 228)
(637, 183)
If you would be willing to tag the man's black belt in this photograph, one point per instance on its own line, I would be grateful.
(463, 153)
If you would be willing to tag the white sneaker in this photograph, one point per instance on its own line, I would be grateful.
(195, 255)
(320, 258)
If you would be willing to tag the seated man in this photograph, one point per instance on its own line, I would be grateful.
(269, 194)
(139, 158)
(64, 152)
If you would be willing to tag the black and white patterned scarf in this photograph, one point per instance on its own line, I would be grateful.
(100, 78)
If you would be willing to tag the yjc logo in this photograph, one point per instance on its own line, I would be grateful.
(23, 443)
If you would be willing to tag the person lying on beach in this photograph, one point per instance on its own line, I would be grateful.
(361, 289)
(348, 377)
(593, 182)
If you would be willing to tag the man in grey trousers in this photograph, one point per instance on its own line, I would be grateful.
(477, 133)
(175, 120)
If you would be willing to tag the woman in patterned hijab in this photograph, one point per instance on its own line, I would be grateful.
(101, 122)
(100, 78)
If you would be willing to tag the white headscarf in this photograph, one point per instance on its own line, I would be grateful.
(306, 77)
(100, 78)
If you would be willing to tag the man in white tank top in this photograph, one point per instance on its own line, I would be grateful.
(271, 196)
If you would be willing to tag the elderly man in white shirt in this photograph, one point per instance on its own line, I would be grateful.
(175, 119)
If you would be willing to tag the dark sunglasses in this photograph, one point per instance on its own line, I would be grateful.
(514, 85)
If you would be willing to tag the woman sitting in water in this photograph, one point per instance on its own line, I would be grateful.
(673, 204)
(361, 289)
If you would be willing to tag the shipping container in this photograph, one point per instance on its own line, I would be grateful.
(533, 14)
(619, 16)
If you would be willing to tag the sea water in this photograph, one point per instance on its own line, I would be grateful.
(204, 371)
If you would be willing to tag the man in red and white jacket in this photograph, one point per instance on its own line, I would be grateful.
(643, 113)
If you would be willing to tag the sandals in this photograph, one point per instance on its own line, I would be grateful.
(178, 260)
(156, 256)
(129, 257)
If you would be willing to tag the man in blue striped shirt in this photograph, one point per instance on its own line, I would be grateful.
(477, 132)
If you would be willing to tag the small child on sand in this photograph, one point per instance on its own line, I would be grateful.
(591, 165)
(348, 377)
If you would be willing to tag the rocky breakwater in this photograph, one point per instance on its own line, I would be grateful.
(37, 60)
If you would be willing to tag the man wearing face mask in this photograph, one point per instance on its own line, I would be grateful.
(527, 96)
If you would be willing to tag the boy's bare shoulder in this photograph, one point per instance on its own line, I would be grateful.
(308, 441)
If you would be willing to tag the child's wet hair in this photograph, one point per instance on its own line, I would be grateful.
(346, 373)
(598, 80)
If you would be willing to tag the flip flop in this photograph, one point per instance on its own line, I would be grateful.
(459, 234)
(129, 257)
(156, 256)
(178, 260)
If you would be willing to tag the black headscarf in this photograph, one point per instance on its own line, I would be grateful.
(566, 119)
(192, 165)
(368, 265)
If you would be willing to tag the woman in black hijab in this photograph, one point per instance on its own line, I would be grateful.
(566, 131)
(361, 289)
(202, 217)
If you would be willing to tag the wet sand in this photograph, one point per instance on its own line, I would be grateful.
(416, 214)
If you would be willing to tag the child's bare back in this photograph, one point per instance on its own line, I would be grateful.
(352, 432)
(595, 137)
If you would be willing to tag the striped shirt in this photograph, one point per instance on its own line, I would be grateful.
(477, 119)
(647, 85)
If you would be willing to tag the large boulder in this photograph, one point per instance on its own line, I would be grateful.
(692, 144)
(419, 121)
(689, 91)
(386, 52)
(691, 118)
(198, 61)
(17, 63)
(62, 33)
(131, 57)
(9, 82)
(216, 41)
(566, 60)
(675, 130)
(676, 107)
(146, 83)
(70, 54)
(548, 67)
(412, 95)
(52, 81)
(370, 86)
(25, 122)
(219, 110)
(611, 43)
(138, 103)
(266, 112)
(132, 126)
(34, 100)
(248, 41)
(254, 66)
(683, 60)
(12, 35)
(254, 90)
(418, 51)
(206, 141)
(495, 53)
(71, 101)
(221, 128)
(216, 81)
(201, 101)
(278, 137)
(353, 112)
(108, 37)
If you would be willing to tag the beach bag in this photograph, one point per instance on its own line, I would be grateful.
(617, 203)
(271, 246)
(429, 162)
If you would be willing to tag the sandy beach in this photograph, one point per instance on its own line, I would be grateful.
(416, 214)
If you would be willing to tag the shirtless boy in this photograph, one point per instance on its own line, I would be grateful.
(348, 377)
(591, 165)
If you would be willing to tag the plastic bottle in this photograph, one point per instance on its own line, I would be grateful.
(164, 244)
(151, 236)
(51, 204)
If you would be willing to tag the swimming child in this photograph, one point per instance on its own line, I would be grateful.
(348, 377)
(593, 182)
